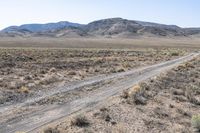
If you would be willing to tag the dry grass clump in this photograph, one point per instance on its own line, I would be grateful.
(190, 94)
(135, 89)
(136, 95)
(130, 92)
(196, 122)
(80, 121)
(49, 79)
(181, 67)
(117, 69)
(105, 114)
(189, 65)
(71, 73)
(12, 85)
(185, 66)
(174, 53)
(126, 64)
(51, 130)
(120, 69)
(52, 70)
(23, 89)
(125, 94)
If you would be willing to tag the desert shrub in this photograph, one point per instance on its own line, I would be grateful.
(72, 73)
(126, 64)
(52, 70)
(140, 99)
(196, 122)
(189, 65)
(120, 70)
(194, 88)
(135, 95)
(174, 53)
(181, 67)
(51, 130)
(49, 80)
(28, 77)
(104, 114)
(194, 101)
(88, 130)
(180, 98)
(186, 65)
(112, 70)
(125, 94)
(183, 112)
(96, 70)
(177, 92)
(43, 71)
(104, 109)
(135, 89)
(13, 85)
(80, 121)
(24, 89)
(191, 97)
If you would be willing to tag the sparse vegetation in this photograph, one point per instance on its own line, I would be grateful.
(135, 95)
(25, 69)
(51, 130)
(80, 121)
(172, 98)
(174, 53)
(104, 114)
(71, 73)
(26, 73)
(24, 89)
(196, 122)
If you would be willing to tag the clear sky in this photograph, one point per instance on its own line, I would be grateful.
(185, 13)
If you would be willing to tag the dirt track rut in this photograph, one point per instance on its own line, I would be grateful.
(30, 122)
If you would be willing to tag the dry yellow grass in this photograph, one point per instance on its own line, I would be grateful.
(132, 91)
(24, 89)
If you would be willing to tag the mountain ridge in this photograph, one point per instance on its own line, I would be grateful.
(42, 27)
(109, 28)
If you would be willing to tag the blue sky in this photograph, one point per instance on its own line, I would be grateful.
(185, 13)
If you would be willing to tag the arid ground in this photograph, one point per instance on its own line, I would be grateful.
(25, 71)
(164, 103)
(42, 73)
(96, 43)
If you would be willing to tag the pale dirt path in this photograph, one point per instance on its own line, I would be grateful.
(68, 87)
(31, 122)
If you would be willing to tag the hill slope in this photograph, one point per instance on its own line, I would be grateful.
(113, 27)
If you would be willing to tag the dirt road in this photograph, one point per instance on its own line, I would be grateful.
(30, 121)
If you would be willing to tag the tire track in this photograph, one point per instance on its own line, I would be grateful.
(31, 122)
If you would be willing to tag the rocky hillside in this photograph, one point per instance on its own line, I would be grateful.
(113, 27)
